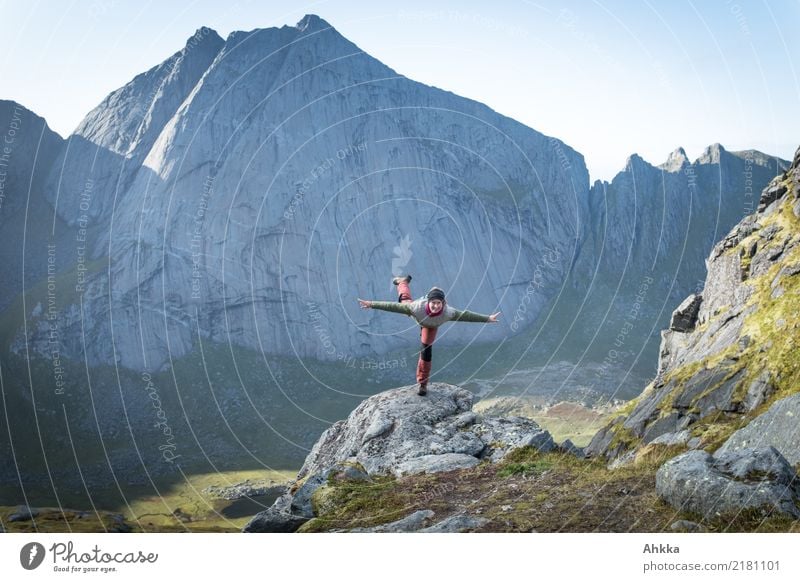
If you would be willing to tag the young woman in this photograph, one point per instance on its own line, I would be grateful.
(430, 312)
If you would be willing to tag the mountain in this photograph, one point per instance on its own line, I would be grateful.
(728, 360)
(243, 185)
(651, 230)
(193, 251)
(711, 445)
(246, 190)
(27, 152)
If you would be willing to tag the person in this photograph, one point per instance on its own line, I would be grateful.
(430, 312)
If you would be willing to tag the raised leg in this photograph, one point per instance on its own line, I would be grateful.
(404, 292)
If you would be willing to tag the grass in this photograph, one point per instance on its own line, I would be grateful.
(531, 491)
(183, 506)
(564, 420)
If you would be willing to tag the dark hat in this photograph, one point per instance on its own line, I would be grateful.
(436, 293)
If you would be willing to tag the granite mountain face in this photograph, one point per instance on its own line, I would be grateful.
(247, 190)
(645, 249)
(242, 185)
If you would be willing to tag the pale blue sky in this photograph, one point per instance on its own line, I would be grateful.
(609, 78)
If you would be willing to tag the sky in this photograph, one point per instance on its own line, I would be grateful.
(608, 78)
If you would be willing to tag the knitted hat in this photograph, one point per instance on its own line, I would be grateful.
(435, 293)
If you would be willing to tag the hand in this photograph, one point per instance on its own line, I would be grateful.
(493, 317)
(365, 304)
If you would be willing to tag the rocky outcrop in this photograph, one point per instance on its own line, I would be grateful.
(255, 185)
(778, 427)
(731, 350)
(651, 231)
(28, 150)
(684, 317)
(399, 433)
(237, 171)
(246, 488)
(218, 185)
(419, 520)
(724, 484)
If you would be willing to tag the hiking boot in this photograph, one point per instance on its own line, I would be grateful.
(423, 388)
(398, 280)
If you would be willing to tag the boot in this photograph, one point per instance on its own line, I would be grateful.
(398, 280)
(423, 373)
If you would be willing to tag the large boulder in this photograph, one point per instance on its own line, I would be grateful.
(684, 317)
(398, 433)
(721, 485)
(778, 427)
(278, 518)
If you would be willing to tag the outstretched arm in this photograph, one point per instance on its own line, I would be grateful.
(394, 306)
(467, 315)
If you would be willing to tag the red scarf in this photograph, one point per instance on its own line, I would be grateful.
(433, 313)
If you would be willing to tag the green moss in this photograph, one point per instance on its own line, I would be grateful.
(359, 504)
(533, 468)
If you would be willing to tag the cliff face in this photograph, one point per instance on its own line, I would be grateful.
(730, 353)
(246, 190)
(28, 148)
(245, 185)
(651, 230)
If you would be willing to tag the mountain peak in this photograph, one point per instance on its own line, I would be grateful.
(312, 23)
(203, 36)
(633, 160)
(675, 161)
(711, 154)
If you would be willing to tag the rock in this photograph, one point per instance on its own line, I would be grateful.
(301, 499)
(348, 471)
(758, 392)
(684, 317)
(626, 458)
(700, 382)
(398, 432)
(569, 447)
(246, 489)
(722, 485)
(276, 519)
(684, 525)
(673, 438)
(660, 426)
(777, 427)
(601, 441)
(435, 464)
(646, 410)
(503, 434)
(412, 522)
(301, 502)
(770, 194)
(456, 523)
(720, 398)
(23, 513)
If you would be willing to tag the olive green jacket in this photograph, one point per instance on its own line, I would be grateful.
(416, 309)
